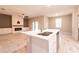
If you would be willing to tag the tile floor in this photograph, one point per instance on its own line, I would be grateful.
(67, 44)
(12, 42)
(16, 42)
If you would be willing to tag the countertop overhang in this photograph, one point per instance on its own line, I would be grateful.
(35, 34)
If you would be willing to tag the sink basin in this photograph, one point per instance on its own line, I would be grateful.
(45, 33)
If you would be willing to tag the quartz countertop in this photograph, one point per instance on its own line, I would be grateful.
(35, 34)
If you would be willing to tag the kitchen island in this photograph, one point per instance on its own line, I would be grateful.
(42, 42)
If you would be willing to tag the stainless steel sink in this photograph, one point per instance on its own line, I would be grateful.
(45, 33)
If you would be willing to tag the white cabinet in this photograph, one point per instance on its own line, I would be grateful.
(5, 30)
(40, 45)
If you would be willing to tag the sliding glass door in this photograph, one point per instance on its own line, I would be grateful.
(35, 26)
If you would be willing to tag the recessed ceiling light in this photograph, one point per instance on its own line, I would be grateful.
(49, 5)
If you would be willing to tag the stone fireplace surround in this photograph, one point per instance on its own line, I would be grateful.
(17, 28)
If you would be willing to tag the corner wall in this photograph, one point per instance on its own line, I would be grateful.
(66, 23)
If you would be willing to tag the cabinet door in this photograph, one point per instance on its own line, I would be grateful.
(53, 44)
(39, 45)
(29, 44)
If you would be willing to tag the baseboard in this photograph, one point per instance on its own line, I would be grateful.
(68, 33)
(5, 30)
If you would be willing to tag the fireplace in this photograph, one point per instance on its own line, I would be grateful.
(18, 29)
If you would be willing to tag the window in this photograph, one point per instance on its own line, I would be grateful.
(58, 22)
(35, 26)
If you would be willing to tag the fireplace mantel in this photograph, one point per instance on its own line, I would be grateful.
(17, 25)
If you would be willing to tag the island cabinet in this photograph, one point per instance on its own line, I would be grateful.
(39, 45)
(29, 44)
(42, 44)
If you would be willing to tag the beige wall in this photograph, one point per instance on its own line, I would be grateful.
(40, 20)
(5, 21)
(51, 23)
(30, 24)
(66, 23)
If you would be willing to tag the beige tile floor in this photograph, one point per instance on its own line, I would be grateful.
(12, 42)
(67, 44)
(17, 43)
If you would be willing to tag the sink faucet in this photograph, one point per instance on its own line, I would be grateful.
(41, 29)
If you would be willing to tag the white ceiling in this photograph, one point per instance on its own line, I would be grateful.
(37, 10)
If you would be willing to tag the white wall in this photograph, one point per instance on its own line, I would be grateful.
(16, 18)
(25, 28)
(75, 23)
(5, 30)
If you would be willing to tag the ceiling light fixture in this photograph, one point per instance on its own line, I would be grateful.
(25, 17)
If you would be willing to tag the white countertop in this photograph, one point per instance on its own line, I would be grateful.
(35, 34)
